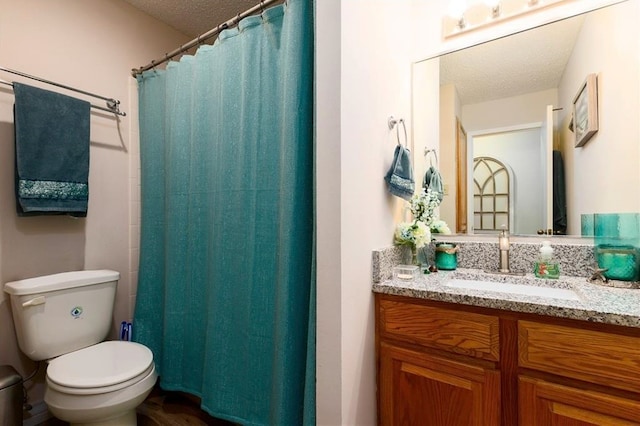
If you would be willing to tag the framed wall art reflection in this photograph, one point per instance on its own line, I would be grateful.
(585, 111)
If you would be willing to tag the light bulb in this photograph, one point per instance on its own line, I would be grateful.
(457, 8)
(494, 5)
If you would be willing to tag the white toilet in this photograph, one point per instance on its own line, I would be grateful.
(64, 318)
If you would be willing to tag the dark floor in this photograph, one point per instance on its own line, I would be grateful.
(163, 408)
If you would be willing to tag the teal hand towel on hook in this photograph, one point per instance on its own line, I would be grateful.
(399, 178)
(52, 152)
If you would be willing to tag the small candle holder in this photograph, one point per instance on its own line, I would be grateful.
(446, 256)
(406, 272)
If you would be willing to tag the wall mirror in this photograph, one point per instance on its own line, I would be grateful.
(500, 115)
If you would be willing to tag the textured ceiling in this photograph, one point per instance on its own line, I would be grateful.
(493, 70)
(526, 62)
(193, 17)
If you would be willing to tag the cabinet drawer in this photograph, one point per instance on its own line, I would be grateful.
(597, 357)
(465, 333)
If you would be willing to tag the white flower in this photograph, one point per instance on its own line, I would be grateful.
(423, 206)
(416, 233)
(440, 227)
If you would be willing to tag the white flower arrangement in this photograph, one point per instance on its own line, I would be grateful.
(414, 233)
(423, 206)
(417, 234)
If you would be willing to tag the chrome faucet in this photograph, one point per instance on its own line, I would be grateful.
(503, 244)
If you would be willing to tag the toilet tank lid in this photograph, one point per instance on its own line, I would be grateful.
(60, 281)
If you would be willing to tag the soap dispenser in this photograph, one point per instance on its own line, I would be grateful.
(546, 266)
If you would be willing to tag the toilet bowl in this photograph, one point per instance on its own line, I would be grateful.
(64, 319)
(100, 385)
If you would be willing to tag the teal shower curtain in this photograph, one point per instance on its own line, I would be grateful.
(226, 292)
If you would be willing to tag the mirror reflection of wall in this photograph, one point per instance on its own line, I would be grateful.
(519, 151)
(509, 82)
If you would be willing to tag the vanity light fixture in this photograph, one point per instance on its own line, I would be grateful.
(494, 5)
(464, 16)
(456, 11)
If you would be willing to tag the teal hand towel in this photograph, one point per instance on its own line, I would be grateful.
(52, 152)
(433, 180)
(399, 178)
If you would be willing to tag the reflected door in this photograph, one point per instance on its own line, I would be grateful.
(461, 178)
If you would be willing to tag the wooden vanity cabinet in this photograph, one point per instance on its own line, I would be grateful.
(436, 366)
(606, 365)
(448, 364)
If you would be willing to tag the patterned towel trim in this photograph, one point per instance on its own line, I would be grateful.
(44, 189)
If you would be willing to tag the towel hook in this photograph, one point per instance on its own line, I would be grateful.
(435, 154)
(392, 122)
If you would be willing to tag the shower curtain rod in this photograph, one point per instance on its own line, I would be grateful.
(202, 37)
(113, 105)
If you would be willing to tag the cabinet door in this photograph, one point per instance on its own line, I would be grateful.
(419, 389)
(542, 403)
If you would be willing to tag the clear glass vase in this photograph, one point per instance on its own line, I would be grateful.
(413, 260)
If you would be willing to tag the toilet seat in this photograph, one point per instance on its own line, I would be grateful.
(101, 368)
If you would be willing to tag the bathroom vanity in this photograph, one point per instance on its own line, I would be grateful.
(450, 354)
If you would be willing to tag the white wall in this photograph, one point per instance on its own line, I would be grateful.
(508, 112)
(355, 211)
(604, 174)
(91, 46)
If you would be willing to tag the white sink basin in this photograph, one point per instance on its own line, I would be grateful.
(527, 290)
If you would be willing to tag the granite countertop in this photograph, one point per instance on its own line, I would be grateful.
(594, 302)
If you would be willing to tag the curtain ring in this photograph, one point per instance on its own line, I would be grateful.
(262, 9)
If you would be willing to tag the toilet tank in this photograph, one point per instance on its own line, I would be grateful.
(60, 313)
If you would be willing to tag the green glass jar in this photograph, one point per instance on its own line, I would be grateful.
(619, 262)
(446, 256)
